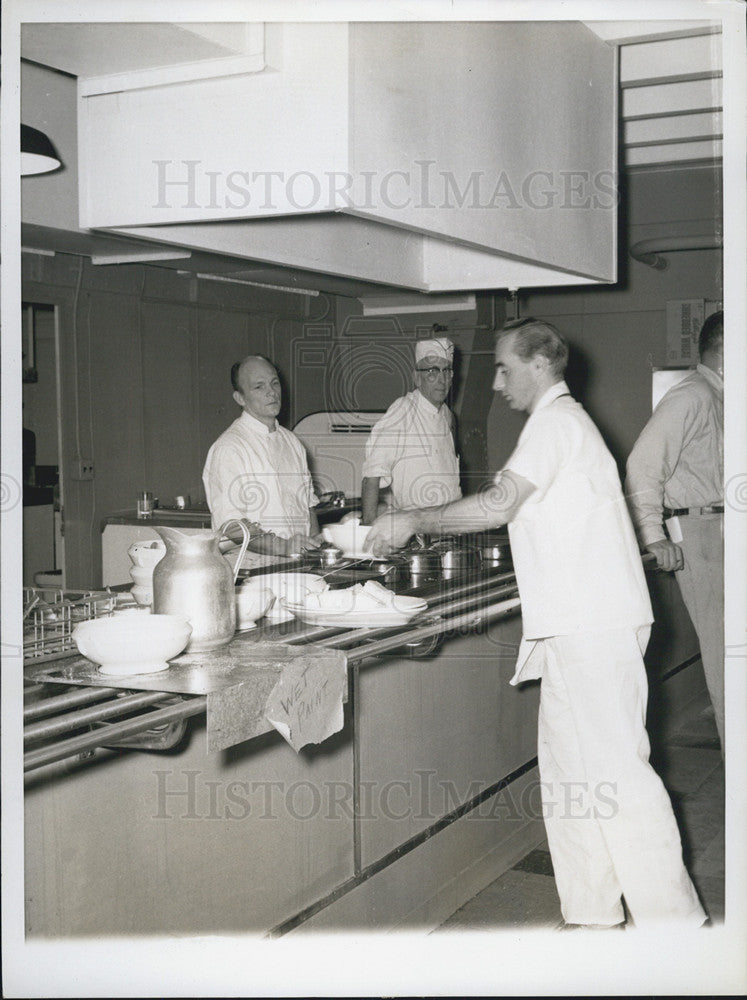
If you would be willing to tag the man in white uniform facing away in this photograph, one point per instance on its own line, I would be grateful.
(586, 621)
(257, 470)
(411, 447)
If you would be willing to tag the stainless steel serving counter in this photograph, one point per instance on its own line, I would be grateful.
(71, 711)
(426, 794)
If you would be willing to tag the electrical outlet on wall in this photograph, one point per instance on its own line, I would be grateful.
(83, 470)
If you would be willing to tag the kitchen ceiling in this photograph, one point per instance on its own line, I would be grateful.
(670, 110)
(670, 91)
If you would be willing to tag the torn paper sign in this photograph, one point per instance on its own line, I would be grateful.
(305, 706)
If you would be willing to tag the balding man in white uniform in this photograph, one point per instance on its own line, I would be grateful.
(411, 448)
(257, 470)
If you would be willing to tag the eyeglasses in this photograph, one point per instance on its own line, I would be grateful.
(432, 373)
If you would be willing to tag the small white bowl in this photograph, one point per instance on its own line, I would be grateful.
(349, 536)
(125, 647)
(252, 602)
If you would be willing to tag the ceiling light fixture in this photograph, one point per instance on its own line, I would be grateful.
(38, 155)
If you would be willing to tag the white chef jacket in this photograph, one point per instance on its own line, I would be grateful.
(573, 546)
(261, 475)
(412, 447)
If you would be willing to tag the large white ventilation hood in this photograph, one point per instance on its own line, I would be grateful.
(433, 157)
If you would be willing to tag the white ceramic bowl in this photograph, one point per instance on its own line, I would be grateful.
(252, 602)
(147, 554)
(123, 646)
(290, 587)
(349, 536)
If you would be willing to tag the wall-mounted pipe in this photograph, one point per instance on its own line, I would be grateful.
(648, 251)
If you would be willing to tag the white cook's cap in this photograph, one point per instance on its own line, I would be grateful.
(440, 347)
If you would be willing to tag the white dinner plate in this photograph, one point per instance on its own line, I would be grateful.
(291, 588)
(406, 608)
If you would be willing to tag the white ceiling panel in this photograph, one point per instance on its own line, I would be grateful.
(676, 128)
(672, 98)
(85, 50)
(642, 31)
(673, 153)
(670, 59)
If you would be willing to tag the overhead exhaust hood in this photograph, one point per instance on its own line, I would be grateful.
(428, 156)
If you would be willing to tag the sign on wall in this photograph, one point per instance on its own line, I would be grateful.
(684, 319)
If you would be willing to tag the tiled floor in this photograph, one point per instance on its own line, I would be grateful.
(691, 767)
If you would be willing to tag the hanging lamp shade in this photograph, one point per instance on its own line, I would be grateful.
(38, 155)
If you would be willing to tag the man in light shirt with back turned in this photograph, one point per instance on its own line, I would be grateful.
(675, 477)
(412, 447)
(257, 470)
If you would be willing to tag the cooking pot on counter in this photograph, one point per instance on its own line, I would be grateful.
(456, 556)
(495, 550)
(422, 562)
(335, 567)
(441, 560)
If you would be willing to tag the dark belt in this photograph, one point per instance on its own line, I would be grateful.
(716, 508)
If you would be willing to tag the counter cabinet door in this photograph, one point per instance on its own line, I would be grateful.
(434, 733)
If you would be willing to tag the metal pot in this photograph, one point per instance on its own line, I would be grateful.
(328, 555)
(420, 561)
(496, 554)
(455, 556)
(423, 564)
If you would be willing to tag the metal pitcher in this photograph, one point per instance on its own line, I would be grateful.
(195, 580)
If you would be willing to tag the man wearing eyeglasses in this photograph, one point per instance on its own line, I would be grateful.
(411, 448)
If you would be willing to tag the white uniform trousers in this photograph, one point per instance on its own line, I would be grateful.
(701, 583)
(609, 821)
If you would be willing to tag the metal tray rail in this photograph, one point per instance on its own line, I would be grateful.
(151, 721)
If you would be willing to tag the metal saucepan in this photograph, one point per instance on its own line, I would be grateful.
(494, 549)
(456, 555)
(422, 562)
(327, 555)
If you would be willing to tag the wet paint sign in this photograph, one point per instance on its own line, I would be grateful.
(305, 706)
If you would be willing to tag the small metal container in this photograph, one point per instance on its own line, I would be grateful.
(496, 555)
(336, 498)
(328, 555)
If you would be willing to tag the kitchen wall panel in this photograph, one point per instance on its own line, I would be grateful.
(111, 414)
(169, 398)
(146, 356)
(618, 334)
(222, 338)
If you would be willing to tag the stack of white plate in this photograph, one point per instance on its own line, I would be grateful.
(368, 606)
